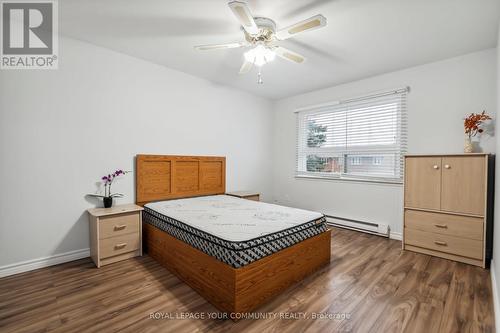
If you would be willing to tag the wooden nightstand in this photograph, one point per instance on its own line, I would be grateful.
(255, 196)
(115, 233)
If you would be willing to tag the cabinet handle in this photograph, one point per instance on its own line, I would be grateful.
(440, 243)
(447, 166)
(441, 225)
(120, 227)
(435, 166)
(120, 246)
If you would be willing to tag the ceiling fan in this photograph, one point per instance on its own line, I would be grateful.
(260, 34)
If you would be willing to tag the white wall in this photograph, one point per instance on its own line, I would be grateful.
(61, 130)
(442, 93)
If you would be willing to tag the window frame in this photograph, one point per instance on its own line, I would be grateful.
(344, 153)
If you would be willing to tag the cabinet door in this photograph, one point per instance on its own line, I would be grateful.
(423, 182)
(463, 184)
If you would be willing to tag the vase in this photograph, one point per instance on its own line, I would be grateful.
(468, 147)
(108, 202)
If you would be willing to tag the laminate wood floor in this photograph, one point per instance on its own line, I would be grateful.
(369, 286)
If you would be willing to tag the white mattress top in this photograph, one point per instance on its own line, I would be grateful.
(233, 219)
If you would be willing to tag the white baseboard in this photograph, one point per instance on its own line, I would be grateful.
(55, 259)
(396, 235)
(496, 301)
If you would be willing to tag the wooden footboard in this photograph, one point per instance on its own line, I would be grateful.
(237, 290)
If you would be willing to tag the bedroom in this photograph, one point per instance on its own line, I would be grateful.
(129, 82)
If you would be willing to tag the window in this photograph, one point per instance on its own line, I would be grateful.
(362, 138)
(377, 160)
(356, 160)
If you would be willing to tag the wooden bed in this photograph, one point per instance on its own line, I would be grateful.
(232, 290)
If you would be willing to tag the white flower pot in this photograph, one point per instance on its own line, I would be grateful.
(468, 147)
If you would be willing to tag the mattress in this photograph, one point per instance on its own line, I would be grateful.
(233, 230)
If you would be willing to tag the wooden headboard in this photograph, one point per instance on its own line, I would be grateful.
(163, 177)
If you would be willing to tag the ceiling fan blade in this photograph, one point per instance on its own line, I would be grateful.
(311, 23)
(219, 46)
(244, 16)
(246, 67)
(289, 55)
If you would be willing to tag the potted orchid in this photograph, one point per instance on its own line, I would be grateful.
(473, 126)
(108, 180)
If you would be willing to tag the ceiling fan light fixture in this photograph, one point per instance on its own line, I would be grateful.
(260, 55)
(260, 33)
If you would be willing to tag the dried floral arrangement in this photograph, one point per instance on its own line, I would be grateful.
(472, 124)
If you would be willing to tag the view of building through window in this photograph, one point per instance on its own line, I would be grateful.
(359, 139)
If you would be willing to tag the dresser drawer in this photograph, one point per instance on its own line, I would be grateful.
(120, 244)
(445, 224)
(116, 225)
(470, 248)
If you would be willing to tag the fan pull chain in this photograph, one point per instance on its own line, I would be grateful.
(259, 81)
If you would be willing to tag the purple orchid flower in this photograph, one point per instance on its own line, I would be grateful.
(108, 180)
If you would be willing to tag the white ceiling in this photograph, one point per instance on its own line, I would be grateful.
(363, 37)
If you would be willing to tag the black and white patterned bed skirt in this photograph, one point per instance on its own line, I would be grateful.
(235, 254)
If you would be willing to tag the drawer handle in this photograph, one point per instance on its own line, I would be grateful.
(120, 227)
(440, 243)
(447, 166)
(440, 225)
(120, 246)
(435, 166)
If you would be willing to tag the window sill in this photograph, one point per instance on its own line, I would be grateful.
(351, 179)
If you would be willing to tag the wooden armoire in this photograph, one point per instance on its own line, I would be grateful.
(448, 206)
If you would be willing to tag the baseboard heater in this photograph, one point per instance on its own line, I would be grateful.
(368, 227)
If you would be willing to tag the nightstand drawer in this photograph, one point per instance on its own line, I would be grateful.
(115, 233)
(116, 225)
(117, 245)
(446, 224)
(469, 248)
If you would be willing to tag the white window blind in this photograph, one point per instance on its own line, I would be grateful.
(362, 138)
